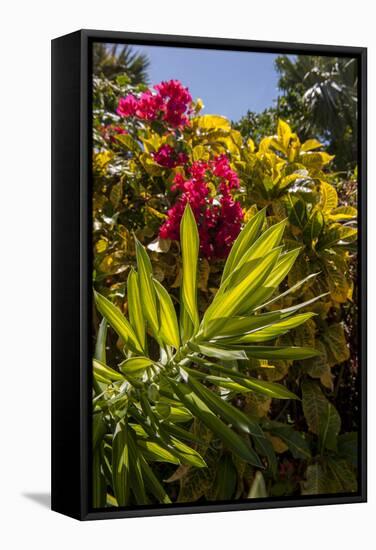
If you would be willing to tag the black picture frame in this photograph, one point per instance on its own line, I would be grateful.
(71, 270)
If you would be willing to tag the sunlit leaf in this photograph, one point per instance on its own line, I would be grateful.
(135, 365)
(244, 240)
(106, 372)
(272, 331)
(135, 312)
(147, 290)
(258, 488)
(169, 328)
(229, 303)
(189, 248)
(127, 142)
(118, 321)
(120, 464)
(100, 346)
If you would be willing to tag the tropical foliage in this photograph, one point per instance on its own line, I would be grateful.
(224, 277)
(319, 97)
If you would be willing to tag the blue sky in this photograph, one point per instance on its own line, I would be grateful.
(228, 82)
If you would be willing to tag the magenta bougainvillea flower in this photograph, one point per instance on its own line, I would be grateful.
(218, 217)
(169, 158)
(170, 101)
(218, 214)
(176, 100)
(127, 106)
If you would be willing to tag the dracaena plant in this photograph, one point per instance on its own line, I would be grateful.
(143, 407)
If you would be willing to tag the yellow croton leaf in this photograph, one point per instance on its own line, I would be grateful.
(211, 122)
(284, 133)
(329, 197)
(101, 246)
(101, 160)
(315, 160)
(310, 145)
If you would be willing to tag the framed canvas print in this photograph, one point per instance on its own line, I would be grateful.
(208, 274)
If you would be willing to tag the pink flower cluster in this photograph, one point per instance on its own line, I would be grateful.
(169, 102)
(218, 218)
(169, 158)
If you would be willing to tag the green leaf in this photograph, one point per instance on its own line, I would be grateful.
(99, 483)
(181, 433)
(322, 418)
(195, 483)
(189, 240)
(153, 484)
(295, 441)
(217, 352)
(136, 316)
(227, 383)
(100, 346)
(106, 373)
(237, 326)
(186, 454)
(278, 273)
(172, 410)
(135, 365)
(153, 451)
(120, 464)
(292, 289)
(263, 334)
(277, 352)
(265, 448)
(337, 235)
(116, 194)
(99, 429)
(337, 348)
(297, 211)
(186, 325)
(271, 389)
(202, 411)
(128, 143)
(261, 386)
(316, 482)
(268, 240)
(179, 414)
(258, 488)
(218, 405)
(118, 321)
(313, 227)
(343, 475)
(348, 447)
(225, 480)
(135, 469)
(169, 329)
(229, 303)
(147, 290)
(245, 239)
(331, 475)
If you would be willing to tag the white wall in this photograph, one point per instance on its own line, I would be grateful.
(26, 29)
